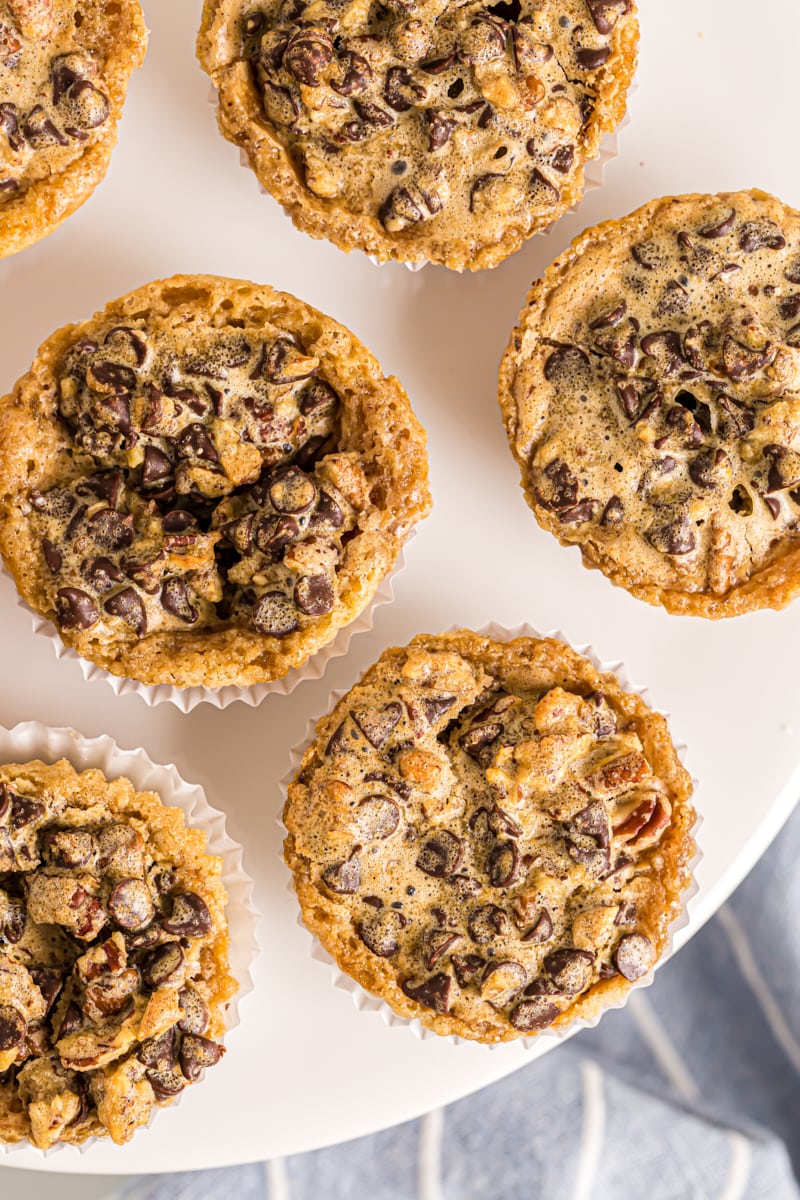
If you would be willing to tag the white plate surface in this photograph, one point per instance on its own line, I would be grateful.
(306, 1068)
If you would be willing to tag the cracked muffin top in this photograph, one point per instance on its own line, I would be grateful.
(113, 955)
(651, 395)
(64, 69)
(491, 836)
(432, 131)
(203, 483)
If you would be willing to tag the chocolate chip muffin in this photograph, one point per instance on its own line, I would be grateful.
(204, 482)
(651, 395)
(64, 70)
(437, 131)
(113, 955)
(491, 836)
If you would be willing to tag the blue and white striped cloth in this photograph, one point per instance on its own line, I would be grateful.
(691, 1092)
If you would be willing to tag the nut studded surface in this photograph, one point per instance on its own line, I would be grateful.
(113, 955)
(204, 482)
(492, 837)
(435, 131)
(651, 395)
(64, 70)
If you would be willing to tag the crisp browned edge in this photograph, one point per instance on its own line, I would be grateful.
(372, 405)
(328, 920)
(45, 204)
(773, 587)
(170, 838)
(247, 128)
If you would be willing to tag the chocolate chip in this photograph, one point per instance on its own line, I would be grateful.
(129, 607)
(466, 967)
(741, 501)
(590, 60)
(665, 348)
(197, 1053)
(75, 609)
(717, 228)
(563, 159)
(380, 932)
(479, 737)
(314, 595)
(486, 922)
(707, 468)
(559, 487)
(285, 362)
(156, 467)
(502, 981)
(52, 556)
(13, 1028)
(40, 130)
(131, 905)
(162, 965)
(755, 235)
(784, 471)
(344, 877)
(440, 127)
(606, 13)
(190, 916)
(400, 91)
(195, 442)
(540, 183)
(564, 364)
(159, 1052)
(274, 614)
(792, 272)
(24, 811)
(196, 1016)
(671, 532)
(15, 918)
(440, 854)
(175, 600)
(49, 983)
(85, 105)
(357, 75)
(743, 363)
(534, 1014)
(437, 66)
(611, 318)
(292, 491)
(437, 943)
(584, 510)
(72, 1021)
(634, 956)
(541, 931)
(69, 848)
(110, 377)
(111, 530)
(166, 1082)
(128, 342)
(377, 726)
(308, 52)
(377, 817)
(613, 514)
(432, 993)
(571, 970)
(504, 864)
(593, 821)
(110, 994)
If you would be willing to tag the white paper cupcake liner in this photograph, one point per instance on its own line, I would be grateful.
(187, 699)
(30, 740)
(594, 172)
(365, 1001)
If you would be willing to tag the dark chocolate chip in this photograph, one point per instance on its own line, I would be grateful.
(159, 1052)
(344, 877)
(564, 364)
(314, 595)
(377, 817)
(755, 235)
(486, 922)
(13, 1028)
(195, 442)
(197, 1053)
(156, 467)
(308, 52)
(504, 864)
(292, 491)
(129, 607)
(432, 993)
(534, 1014)
(440, 127)
(440, 854)
(377, 726)
(274, 614)
(672, 533)
(380, 932)
(131, 905)
(190, 916)
(479, 737)
(590, 60)
(166, 1082)
(75, 609)
(634, 956)
(111, 530)
(718, 228)
(196, 1016)
(52, 556)
(541, 931)
(175, 600)
(571, 970)
(162, 965)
